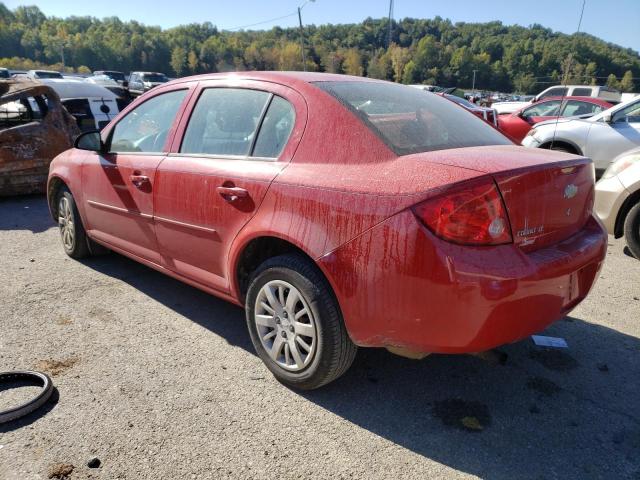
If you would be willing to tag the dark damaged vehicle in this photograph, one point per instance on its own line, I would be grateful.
(34, 128)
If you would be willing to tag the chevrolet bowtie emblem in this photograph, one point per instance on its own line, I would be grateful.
(570, 191)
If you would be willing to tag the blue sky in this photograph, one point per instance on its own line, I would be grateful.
(616, 21)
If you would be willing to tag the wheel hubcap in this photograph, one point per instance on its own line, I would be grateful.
(65, 222)
(285, 325)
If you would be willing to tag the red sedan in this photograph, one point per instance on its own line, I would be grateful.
(516, 125)
(487, 114)
(339, 211)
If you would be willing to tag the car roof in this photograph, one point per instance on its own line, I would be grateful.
(596, 100)
(68, 88)
(279, 77)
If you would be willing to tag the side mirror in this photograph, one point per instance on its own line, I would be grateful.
(607, 118)
(90, 141)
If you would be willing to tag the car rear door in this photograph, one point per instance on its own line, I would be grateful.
(118, 186)
(233, 142)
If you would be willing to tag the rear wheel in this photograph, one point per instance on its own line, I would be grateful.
(295, 323)
(632, 230)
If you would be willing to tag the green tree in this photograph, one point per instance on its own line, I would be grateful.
(626, 84)
(612, 81)
(525, 83)
(352, 63)
(179, 60)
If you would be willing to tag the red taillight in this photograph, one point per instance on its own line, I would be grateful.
(470, 214)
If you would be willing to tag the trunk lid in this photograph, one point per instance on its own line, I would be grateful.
(548, 195)
(547, 204)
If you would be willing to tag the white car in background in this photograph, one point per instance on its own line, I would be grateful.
(601, 137)
(92, 105)
(596, 91)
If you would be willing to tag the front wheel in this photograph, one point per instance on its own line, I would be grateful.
(72, 233)
(295, 323)
(632, 230)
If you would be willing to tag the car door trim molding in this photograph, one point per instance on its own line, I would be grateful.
(186, 225)
(113, 208)
(223, 157)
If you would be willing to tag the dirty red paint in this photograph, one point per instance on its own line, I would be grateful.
(340, 195)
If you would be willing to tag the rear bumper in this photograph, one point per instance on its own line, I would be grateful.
(399, 285)
(610, 196)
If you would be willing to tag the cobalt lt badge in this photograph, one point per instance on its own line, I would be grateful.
(570, 191)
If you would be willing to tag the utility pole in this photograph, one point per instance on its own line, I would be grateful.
(62, 55)
(304, 59)
(390, 23)
(473, 87)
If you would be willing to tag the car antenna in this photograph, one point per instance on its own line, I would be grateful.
(566, 79)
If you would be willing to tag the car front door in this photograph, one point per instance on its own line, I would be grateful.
(118, 186)
(230, 147)
(606, 141)
(517, 125)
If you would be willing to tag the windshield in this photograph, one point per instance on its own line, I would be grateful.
(409, 120)
(4, 74)
(155, 77)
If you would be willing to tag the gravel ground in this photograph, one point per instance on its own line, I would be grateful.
(159, 380)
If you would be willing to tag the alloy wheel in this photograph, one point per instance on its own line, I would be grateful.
(65, 222)
(285, 325)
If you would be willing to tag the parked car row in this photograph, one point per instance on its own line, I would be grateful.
(134, 85)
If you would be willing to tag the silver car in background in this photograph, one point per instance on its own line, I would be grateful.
(601, 137)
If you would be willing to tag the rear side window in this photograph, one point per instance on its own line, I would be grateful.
(22, 111)
(145, 128)
(555, 92)
(276, 128)
(581, 92)
(575, 108)
(410, 120)
(225, 121)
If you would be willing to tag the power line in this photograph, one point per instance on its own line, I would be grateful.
(262, 23)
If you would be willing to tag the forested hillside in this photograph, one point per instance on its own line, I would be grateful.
(433, 51)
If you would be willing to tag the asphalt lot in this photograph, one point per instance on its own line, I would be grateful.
(159, 380)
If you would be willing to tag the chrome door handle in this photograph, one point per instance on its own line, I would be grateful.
(139, 180)
(231, 194)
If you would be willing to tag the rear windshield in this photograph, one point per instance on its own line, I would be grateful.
(155, 77)
(409, 120)
(48, 74)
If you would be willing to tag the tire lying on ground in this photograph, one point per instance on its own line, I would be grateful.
(33, 404)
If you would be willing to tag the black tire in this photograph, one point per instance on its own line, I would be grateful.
(33, 404)
(78, 247)
(632, 230)
(561, 149)
(334, 351)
